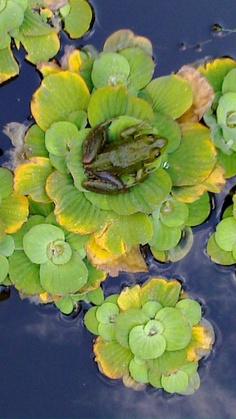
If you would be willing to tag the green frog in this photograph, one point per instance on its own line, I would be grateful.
(104, 162)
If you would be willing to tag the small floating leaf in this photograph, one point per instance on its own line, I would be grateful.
(172, 320)
(4, 267)
(216, 70)
(160, 290)
(78, 20)
(64, 279)
(139, 371)
(126, 321)
(24, 274)
(58, 96)
(109, 102)
(225, 235)
(146, 342)
(173, 213)
(112, 358)
(110, 68)
(129, 298)
(38, 239)
(164, 237)
(195, 158)
(30, 178)
(191, 309)
(170, 95)
(176, 382)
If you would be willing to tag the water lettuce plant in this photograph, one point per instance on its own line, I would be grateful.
(119, 159)
(221, 74)
(151, 334)
(89, 96)
(50, 262)
(35, 25)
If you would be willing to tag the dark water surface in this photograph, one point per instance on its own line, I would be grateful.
(46, 361)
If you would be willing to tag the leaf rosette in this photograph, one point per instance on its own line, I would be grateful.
(49, 259)
(220, 117)
(151, 334)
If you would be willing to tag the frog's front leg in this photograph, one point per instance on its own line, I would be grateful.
(95, 142)
(104, 183)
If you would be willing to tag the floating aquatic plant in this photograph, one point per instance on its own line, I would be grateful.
(36, 25)
(50, 262)
(151, 334)
(221, 245)
(112, 155)
(220, 117)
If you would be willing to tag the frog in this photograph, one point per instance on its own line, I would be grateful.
(105, 162)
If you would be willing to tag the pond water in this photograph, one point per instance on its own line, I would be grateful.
(47, 368)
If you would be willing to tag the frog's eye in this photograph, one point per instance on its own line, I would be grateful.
(157, 153)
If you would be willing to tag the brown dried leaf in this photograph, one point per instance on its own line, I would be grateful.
(203, 94)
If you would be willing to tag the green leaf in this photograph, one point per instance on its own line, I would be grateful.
(65, 305)
(191, 309)
(6, 182)
(170, 95)
(173, 213)
(216, 70)
(8, 65)
(107, 312)
(30, 178)
(164, 238)
(177, 329)
(146, 342)
(126, 321)
(24, 274)
(78, 20)
(194, 159)
(182, 248)
(199, 210)
(109, 102)
(58, 96)
(168, 128)
(72, 209)
(60, 137)
(229, 82)
(141, 67)
(126, 231)
(217, 254)
(139, 371)
(164, 291)
(168, 362)
(112, 358)
(4, 267)
(176, 382)
(64, 279)
(37, 242)
(110, 68)
(225, 235)
(7, 245)
(151, 308)
(91, 321)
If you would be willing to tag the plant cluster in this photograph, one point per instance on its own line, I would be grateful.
(114, 160)
(151, 334)
(36, 25)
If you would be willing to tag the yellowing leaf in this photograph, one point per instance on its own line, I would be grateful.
(203, 94)
(30, 178)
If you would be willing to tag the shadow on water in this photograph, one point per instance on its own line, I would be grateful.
(47, 368)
